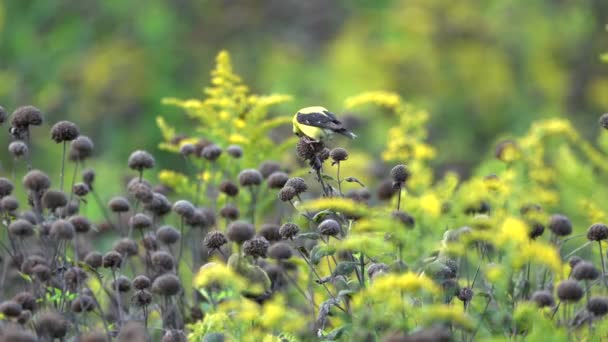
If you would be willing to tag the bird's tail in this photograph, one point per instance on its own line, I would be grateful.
(348, 133)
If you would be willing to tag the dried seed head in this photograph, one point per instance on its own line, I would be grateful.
(126, 247)
(17, 334)
(141, 282)
(465, 294)
(141, 160)
(211, 152)
(574, 260)
(585, 270)
(122, 284)
(250, 177)
(597, 232)
(560, 225)
(385, 190)
(32, 261)
(400, 174)
(268, 167)
(277, 180)
(10, 308)
(26, 300)
(270, 232)
(603, 121)
(53, 199)
(26, 116)
(203, 218)
(150, 243)
(94, 336)
(132, 331)
(163, 261)
(88, 177)
(18, 149)
(230, 212)
(338, 154)
(81, 148)
(289, 230)
(298, 184)
(3, 115)
(41, 272)
(80, 189)
(229, 188)
(287, 193)
(183, 208)
(159, 205)
(9, 204)
(94, 259)
(142, 298)
(74, 276)
(215, 240)
(240, 231)
(83, 303)
(305, 150)
(569, 291)
(119, 204)
(112, 259)
(140, 221)
(62, 230)
(168, 235)
(51, 324)
(256, 247)
(406, 219)
(174, 336)
(166, 285)
(187, 149)
(141, 191)
(36, 181)
(598, 306)
(329, 227)
(235, 151)
(21, 228)
(536, 230)
(6, 187)
(64, 131)
(280, 251)
(323, 155)
(543, 299)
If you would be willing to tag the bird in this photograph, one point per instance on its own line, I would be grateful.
(318, 124)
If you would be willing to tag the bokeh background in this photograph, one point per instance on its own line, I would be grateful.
(483, 68)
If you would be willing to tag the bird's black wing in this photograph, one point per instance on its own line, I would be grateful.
(328, 121)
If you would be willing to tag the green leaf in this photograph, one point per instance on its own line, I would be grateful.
(318, 252)
(335, 334)
(344, 268)
(321, 215)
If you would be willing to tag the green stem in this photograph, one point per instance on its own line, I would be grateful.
(62, 167)
(603, 264)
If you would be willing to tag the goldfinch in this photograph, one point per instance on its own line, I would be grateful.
(317, 123)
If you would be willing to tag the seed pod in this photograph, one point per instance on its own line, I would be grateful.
(26, 116)
(183, 208)
(36, 181)
(569, 291)
(141, 160)
(166, 285)
(81, 148)
(560, 225)
(270, 232)
(598, 306)
(400, 174)
(141, 282)
(603, 121)
(94, 259)
(280, 251)
(51, 325)
(235, 151)
(211, 152)
(250, 177)
(168, 235)
(585, 270)
(21, 228)
(277, 180)
(140, 221)
(597, 232)
(122, 284)
(240, 231)
(269, 167)
(287, 194)
(338, 154)
(64, 131)
(119, 204)
(18, 149)
(289, 230)
(62, 230)
(215, 240)
(230, 212)
(163, 261)
(298, 184)
(329, 227)
(6, 187)
(229, 188)
(126, 247)
(256, 247)
(112, 259)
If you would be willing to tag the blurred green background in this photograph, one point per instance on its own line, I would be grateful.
(482, 68)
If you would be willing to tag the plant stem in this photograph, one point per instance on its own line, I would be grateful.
(362, 264)
(599, 243)
(62, 168)
(399, 198)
